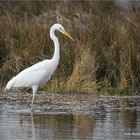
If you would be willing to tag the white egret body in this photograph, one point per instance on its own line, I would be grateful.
(41, 72)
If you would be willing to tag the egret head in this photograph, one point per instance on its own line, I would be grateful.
(60, 28)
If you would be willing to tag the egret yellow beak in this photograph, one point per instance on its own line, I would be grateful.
(67, 34)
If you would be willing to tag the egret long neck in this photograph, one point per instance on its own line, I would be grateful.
(56, 56)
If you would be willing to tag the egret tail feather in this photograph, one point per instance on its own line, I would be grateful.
(10, 84)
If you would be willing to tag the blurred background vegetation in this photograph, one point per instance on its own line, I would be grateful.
(105, 56)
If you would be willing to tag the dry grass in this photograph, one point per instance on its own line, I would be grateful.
(106, 53)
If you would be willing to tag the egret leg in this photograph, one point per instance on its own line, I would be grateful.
(34, 88)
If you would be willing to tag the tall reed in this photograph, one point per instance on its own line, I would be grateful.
(105, 54)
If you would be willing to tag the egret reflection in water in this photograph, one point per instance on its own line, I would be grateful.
(33, 127)
(110, 125)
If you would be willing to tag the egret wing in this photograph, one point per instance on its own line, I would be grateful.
(34, 75)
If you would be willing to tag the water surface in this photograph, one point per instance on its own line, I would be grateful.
(113, 125)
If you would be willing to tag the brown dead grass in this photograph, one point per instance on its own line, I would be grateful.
(105, 53)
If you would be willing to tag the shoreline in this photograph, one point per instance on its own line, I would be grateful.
(67, 103)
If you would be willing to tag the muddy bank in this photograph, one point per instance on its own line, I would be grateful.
(67, 103)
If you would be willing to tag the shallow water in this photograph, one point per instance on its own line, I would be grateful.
(114, 125)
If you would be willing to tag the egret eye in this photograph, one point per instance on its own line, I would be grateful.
(61, 30)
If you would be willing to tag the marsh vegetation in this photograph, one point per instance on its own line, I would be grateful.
(105, 56)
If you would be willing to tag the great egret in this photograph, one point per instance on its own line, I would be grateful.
(41, 72)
